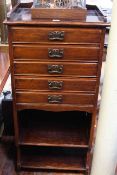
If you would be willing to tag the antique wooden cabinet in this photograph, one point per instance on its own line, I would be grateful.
(55, 68)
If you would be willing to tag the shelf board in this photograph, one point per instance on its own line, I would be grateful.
(53, 132)
(53, 159)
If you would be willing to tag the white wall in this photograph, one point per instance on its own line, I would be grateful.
(105, 152)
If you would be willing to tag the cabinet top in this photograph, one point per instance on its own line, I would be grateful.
(21, 15)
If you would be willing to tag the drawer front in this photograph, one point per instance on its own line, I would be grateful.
(55, 84)
(69, 35)
(54, 98)
(60, 52)
(55, 68)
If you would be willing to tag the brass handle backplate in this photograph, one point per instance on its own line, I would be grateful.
(56, 35)
(55, 53)
(55, 69)
(55, 85)
(55, 99)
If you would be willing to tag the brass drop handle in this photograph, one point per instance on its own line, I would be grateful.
(56, 35)
(56, 99)
(55, 85)
(55, 69)
(55, 53)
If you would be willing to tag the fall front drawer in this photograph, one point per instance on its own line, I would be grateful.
(55, 34)
(61, 52)
(55, 68)
(55, 98)
(48, 83)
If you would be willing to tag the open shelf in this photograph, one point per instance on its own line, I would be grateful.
(53, 158)
(54, 129)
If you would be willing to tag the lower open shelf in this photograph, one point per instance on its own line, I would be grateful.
(54, 129)
(54, 141)
(53, 158)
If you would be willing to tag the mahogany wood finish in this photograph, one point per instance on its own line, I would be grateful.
(65, 98)
(55, 83)
(54, 158)
(38, 13)
(71, 35)
(55, 68)
(58, 52)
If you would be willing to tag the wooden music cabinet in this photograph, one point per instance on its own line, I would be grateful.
(55, 68)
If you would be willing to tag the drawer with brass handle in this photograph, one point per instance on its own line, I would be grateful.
(57, 34)
(61, 52)
(55, 68)
(55, 84)
(50, 98)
